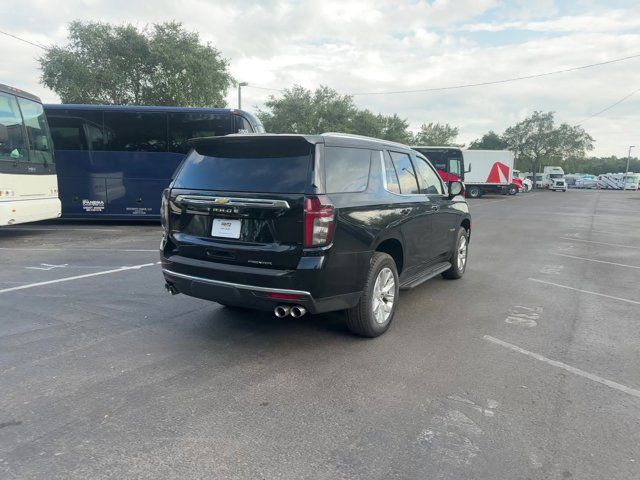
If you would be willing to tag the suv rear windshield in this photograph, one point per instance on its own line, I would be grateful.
(252, 165)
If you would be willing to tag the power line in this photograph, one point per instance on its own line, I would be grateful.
(629, 95)
(264, 88)
(24, 40)
(494, 82)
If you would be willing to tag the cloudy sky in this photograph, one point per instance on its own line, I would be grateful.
(376, 46)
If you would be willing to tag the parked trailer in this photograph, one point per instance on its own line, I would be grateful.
(611, 181)
(489, 171)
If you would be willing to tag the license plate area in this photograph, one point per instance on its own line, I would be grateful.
(226, 228)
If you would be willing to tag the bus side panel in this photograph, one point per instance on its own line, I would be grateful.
(82, 192)
(135, 180)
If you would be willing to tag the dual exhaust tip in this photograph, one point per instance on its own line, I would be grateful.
(295, 311)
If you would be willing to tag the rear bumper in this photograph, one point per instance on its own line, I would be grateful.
(320, 284)
(22, 211)
(254, 296)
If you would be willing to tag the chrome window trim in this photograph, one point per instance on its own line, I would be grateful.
(384, 181)
(236, 285)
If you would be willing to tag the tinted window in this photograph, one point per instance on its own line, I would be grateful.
(186, 125)
(346, 169)
(427, 178)
(455, 166)
(135, 131)
(76, 129)
(406, 174)
(268, 167)
(35, 121)
(12, 141)
(243, 125)
(392, 177)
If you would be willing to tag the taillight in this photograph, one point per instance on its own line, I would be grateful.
(318, 221)
(164, 210)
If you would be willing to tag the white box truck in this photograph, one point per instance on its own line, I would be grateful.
(553, 178)
(489, 171)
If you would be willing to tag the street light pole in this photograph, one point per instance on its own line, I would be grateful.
(240, 85)
(626, 172)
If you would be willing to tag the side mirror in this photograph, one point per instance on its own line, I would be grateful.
(455, 188)
(4, 134)
(467, 171)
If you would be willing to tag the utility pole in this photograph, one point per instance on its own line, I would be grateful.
(628, 160)
(240, 85)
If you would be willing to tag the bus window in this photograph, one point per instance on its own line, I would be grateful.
(186, 125)
(40, 148)
(455, 167)
(76, 129)
(135, 131)
(12, 142)
(243, 125)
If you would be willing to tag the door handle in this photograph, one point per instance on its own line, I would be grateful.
(435, 208)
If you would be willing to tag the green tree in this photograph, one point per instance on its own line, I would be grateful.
(436, 134)
(489, 141)
(163, 65)
(299, 110)
(536, 141)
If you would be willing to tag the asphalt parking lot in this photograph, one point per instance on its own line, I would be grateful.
(527, 368)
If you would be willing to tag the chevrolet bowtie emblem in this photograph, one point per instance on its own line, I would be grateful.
(221, 200)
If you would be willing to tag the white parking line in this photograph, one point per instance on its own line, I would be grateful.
(77, 277)
(599, 243)
(604, 232)
(37, 249)
(585, 291)
(576, 371)
(597, 261)
(44, 229)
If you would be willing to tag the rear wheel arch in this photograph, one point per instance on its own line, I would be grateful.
(393, 247)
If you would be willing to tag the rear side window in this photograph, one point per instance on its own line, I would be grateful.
(186, 125)
(393, 185)
(346, 169)
(267, 166)
(135, 131)
(406, 174)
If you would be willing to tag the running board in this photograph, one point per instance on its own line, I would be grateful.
(424, 275)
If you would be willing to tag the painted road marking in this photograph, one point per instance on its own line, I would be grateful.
(585, 291)
(576, 371)
(600, 243)
(78, 277)
(44, 229)
(604, 232)
(80, 248)
(597, 261)
(47, 266)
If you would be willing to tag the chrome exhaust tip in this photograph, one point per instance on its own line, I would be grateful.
(171, 289)
(281, 311)
(298, 311)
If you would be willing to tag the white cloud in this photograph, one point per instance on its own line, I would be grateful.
(360, 46)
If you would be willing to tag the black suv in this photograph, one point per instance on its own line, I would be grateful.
(317, 223)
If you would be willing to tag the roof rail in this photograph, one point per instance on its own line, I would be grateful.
(364, 137)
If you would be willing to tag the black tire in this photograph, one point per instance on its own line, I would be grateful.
(474, 192)
(456, 271)
(513, 190)
(360, 319)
